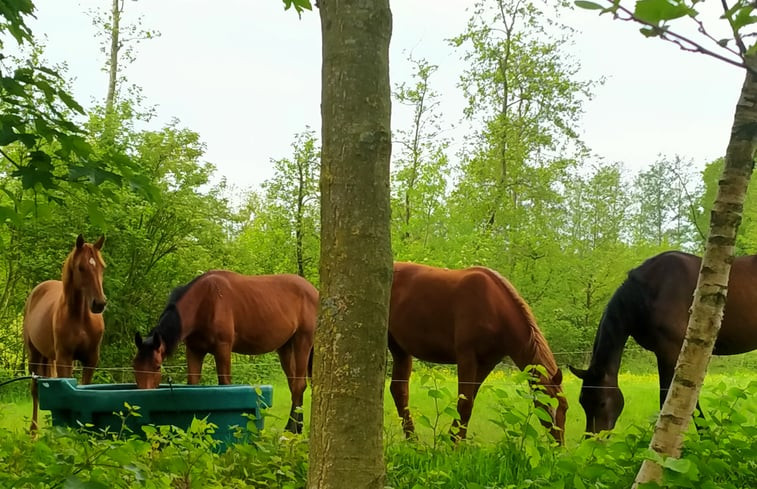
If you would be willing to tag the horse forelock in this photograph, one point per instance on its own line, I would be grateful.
(542, 352)
(87, 251)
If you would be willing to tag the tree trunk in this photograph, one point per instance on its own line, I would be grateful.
(710, 295)
(346, 432)
(113, 64)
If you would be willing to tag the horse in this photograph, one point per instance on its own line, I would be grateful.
(473, 318)
(63, 318)
(220, 312)
(652, 306)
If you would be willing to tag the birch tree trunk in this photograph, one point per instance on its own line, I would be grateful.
(115, 45)
(346, 432)
(712, 287)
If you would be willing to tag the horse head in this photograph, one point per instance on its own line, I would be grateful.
(151, 351)
(84, 272)
(601, 399)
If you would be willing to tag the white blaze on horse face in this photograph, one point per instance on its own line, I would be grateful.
(92, 261)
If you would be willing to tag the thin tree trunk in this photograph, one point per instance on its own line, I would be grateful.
(346, 444)
(710, 295)
(113, 65)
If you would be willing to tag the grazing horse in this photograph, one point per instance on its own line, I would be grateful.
(473, 318)
(63, 318)
(652, 306)
(221, 312)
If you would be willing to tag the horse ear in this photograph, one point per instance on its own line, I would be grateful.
(557, 378)
(99, 243)
(580, 373)
(157, 341)
(79, 242)
(138, 339)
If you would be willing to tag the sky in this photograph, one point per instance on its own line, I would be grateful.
(245, 74)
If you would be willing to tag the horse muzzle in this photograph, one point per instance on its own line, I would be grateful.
(97, 307)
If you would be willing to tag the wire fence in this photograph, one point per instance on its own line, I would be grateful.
(262, 369)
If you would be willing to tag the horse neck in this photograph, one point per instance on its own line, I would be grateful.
(73, 298)
(609, 344)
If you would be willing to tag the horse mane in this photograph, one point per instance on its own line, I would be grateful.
(539, 342)
(629, 299)
(169, 324)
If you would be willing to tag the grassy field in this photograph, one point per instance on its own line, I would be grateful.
(640, 391)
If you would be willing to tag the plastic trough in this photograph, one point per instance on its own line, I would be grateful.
(226, 406)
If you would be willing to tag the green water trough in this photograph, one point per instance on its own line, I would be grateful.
(226, 406)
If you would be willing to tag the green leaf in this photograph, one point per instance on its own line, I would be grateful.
(74, 482)
(299, 5)
(588, 5)
(9, 214)
(650, 31)
(96, 216)
(680, 465)
(656, 11)
(70, 102)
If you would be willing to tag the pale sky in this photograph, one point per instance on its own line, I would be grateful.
(245, 74)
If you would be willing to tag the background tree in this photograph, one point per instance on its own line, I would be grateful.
(346, 443)
(419, 167)
(292, 195)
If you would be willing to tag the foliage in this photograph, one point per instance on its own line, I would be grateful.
(721, 454)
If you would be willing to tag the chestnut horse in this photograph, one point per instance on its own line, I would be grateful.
(221, 312)
(473, 318)
(63, 318)
(652, 306)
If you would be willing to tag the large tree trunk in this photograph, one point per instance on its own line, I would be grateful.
(346, 432)
(710, 296)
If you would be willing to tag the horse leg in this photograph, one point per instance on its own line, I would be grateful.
(88, 367)
(194, 365)
(288, 365)
(36, 367)
(223, 363)
(469, 377)
(402, 367)
(64, 365)
(303, 344)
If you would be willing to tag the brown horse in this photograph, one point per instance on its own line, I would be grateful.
(472, 317)
(63, 318)
(652, 306)
(221, 312)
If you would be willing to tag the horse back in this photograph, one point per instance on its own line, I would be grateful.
(669, 281)
(257, 313)
(435, 312)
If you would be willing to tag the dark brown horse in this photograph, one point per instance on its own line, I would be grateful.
(63, 318)
(221, 312)
(652, 306)
(473, 318)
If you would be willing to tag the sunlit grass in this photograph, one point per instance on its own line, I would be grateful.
(641, 393)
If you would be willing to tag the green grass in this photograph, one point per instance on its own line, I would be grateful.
(640, 391)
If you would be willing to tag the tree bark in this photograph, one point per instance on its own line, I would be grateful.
(115, 45)
(712, 287)
(346, 433)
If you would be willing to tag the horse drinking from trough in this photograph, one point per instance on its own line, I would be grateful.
(473, 318)
(220, 312)
(63, 318)
(652, 306)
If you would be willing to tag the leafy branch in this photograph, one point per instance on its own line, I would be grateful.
(654, 16)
